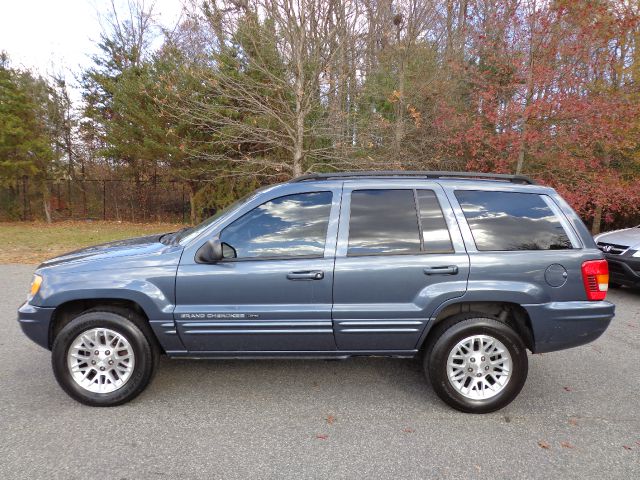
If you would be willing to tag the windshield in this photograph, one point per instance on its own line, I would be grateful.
(189, 233)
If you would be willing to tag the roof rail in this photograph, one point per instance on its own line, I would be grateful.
(416, 174)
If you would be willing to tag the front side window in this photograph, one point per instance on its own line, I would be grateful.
(502, 221)
(383, 222)
(289, 226)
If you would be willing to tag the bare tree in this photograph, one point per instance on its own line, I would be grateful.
(273, 79)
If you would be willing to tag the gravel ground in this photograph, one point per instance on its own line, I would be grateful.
(577, 416)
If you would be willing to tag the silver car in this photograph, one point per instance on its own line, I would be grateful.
(622, 251)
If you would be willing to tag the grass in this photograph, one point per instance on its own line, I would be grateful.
(33, 242)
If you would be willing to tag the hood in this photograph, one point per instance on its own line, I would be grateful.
(629, 237)
(112, 250)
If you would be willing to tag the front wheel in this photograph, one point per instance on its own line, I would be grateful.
(477, 364)
(103, 358)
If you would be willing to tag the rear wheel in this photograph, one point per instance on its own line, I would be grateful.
(103, 358)
(476, 364)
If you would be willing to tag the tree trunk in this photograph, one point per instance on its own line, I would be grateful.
(399, 126)
(298, 144)
(403, 54)
(85, 213)
(193, 216)
(522, 147)
(528, 99)
(597, 220)
(45, 203)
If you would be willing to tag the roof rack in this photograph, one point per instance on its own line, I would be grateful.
(521, 179)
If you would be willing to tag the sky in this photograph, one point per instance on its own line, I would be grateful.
(58, 36)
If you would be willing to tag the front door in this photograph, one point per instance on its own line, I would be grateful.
(273, 289)
(398, 257)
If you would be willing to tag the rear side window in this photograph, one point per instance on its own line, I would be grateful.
(512, 221)
(383, 221)
(397, 222)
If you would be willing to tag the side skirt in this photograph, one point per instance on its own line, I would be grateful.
(281, 354)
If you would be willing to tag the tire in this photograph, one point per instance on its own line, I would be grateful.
(493, 389)
(613, 285)
(128, 353)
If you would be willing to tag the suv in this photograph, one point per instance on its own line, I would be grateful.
(622, 249)
(463, 271)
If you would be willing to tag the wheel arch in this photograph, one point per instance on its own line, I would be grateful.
(512, 314)
(67, 311)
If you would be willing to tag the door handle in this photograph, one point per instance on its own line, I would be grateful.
(441, 270)
(306, 275)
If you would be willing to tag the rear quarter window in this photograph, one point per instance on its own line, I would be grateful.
(504, 221)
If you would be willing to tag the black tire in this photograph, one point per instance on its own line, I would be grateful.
(137, 333)
(613, 285)
(447, 336)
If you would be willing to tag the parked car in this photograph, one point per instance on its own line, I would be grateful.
(464, 271)
(622, 250)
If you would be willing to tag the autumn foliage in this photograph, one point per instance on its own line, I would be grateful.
(240, 94)
(553, 94)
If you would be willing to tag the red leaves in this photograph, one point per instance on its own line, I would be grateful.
(547, 446)
(578, 130)
(330, 419)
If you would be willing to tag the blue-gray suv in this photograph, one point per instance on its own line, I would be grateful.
(463, 271)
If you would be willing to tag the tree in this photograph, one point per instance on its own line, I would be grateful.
(246, 92)
(267, 86)
(26, 134)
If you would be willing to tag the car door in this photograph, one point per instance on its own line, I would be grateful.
(398, 257)
(272, 291)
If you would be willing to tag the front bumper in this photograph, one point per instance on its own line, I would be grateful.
(34, 322)
(624, 269)
(560, 325)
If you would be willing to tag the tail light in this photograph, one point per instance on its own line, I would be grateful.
(595, 275)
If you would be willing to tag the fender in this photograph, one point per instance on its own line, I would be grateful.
(520, 293)
(152, 288)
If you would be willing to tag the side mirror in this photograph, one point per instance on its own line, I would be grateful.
(210, 252)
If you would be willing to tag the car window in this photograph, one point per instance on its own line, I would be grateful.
(435, 234)
(289, 226)
(512, 221)
(383, 221)
(188, 234)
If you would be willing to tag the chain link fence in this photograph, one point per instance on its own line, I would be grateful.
(157, 200)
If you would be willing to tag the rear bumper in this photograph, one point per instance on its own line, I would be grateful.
(560, 325)
(34, 322)
(624, 269)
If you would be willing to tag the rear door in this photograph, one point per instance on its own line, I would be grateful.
(400, 254)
